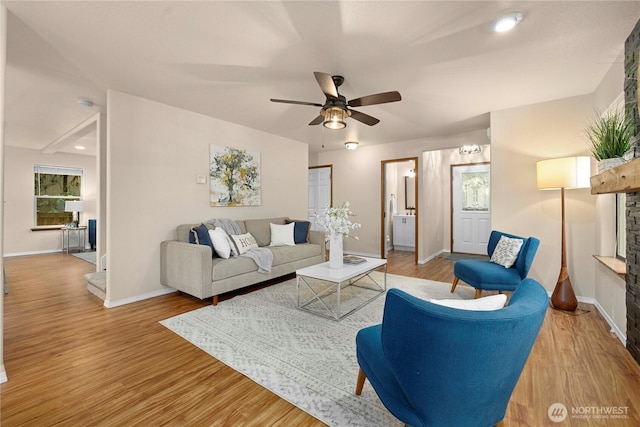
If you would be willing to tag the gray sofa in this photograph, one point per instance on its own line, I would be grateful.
(190, 268)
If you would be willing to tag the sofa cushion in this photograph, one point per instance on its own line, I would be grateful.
(506, 251)
(282, 235)
(243, 242)
(183, 231)
(199, 234)
(488, 303)
(260, 229)
(225, 268)
(220, 241)
(285, 254)
(300, 231)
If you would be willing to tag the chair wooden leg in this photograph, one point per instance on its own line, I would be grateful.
(455, 283)
(360, 384)
(478, 293)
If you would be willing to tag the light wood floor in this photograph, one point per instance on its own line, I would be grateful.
(71, 362)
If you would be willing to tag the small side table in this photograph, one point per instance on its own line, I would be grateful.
(81, 233)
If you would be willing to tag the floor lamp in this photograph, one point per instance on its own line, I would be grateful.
(564, 174)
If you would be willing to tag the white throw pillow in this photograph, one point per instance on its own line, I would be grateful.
(282, 235)
(232, 246)
(490, 303)
(243, 242)
(220, 242)
(506, 251)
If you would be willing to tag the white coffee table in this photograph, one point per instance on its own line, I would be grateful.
(334, 278)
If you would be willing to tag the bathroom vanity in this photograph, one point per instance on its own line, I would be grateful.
(404, 233)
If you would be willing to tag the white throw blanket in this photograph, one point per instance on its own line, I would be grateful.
(228, 225)
(263, 257)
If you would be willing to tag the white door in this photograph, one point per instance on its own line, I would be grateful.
(319, 193)
(471, 204)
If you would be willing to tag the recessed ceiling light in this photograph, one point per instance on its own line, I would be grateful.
(79, 147)
(507, 22)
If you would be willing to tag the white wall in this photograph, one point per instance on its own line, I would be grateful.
(3, 63)
(610, 289)
(154, 152)
(18, 196)
(519, 138)
(357, 179)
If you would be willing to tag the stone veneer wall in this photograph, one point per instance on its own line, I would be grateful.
(631, 63)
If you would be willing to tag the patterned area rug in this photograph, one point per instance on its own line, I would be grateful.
(86, 256)
(306, 359)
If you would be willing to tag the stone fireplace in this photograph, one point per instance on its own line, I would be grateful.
(631, 63)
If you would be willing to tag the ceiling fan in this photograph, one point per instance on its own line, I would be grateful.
(336, 108)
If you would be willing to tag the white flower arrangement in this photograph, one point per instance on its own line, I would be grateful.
(336, 220)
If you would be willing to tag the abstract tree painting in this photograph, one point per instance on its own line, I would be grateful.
(234, 177)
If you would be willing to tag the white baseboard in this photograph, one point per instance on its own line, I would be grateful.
(48, 251)
(436, 255)
(3, 375)
(117, 303)
(614, 328)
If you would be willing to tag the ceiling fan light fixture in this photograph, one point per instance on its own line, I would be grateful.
(351, 145)
(507, 22)
(334, 118)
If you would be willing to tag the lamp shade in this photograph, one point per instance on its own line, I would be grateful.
(73, 206)
(565, 172)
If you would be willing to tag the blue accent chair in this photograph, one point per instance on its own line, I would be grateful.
(489, 276)
(439, 366)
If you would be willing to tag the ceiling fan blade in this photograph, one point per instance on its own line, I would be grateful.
(286, 101)
(326, 84)
(317, 120)
(378, 98)
(364, 118)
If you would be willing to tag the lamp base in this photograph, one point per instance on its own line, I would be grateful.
(563, 297)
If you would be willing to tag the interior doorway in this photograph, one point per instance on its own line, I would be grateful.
(399, 206)
(320, 194)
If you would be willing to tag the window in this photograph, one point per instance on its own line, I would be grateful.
(53, 186)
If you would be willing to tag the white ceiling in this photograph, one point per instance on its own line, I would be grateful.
(227, 59)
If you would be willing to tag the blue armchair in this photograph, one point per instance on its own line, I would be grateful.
(486, 275)
(439, 366)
